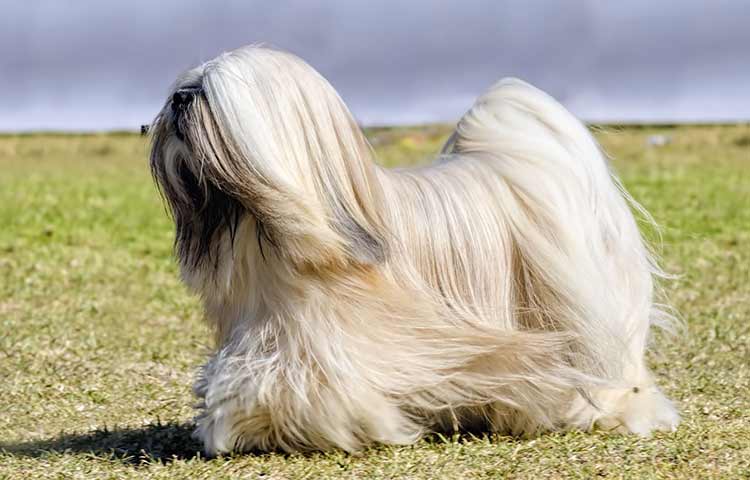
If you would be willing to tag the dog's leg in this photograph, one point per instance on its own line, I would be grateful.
(303, 396)
(638, 409)
(582, 264)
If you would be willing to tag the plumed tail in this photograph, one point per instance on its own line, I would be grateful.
(582, 264)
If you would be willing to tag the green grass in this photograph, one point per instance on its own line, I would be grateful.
(99, 341)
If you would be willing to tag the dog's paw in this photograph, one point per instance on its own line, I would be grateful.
(641, 411)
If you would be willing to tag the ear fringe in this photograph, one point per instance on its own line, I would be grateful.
(288, 224)
(295, 158)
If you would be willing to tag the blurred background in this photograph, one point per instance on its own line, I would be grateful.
(93, 65)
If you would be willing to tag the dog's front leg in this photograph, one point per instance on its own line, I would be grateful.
(273, 402)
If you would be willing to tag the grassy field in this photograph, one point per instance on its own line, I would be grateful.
(98, 339)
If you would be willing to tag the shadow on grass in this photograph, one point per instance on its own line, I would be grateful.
(155, 442)
(165, 443)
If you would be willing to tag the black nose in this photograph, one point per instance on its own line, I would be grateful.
(182, 97)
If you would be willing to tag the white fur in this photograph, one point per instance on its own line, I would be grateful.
(506, 287)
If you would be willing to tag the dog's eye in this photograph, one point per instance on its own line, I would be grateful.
(182, 98)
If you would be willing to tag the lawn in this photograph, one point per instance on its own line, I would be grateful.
(99, 340)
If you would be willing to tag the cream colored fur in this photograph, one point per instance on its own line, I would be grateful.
(505, 288)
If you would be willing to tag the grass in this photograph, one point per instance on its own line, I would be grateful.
(99, 340)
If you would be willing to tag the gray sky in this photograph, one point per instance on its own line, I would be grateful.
(97, 65)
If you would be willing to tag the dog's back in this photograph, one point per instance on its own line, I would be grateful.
(522, 223)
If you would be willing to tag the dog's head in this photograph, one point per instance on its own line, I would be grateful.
(255, 150)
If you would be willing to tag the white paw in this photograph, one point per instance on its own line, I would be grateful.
(641, 411)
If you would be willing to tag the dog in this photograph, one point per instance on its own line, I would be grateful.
(504, 288)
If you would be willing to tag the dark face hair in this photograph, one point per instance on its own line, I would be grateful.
(207, 214)
(201, 210)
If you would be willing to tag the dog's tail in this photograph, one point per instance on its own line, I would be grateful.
(582, 266)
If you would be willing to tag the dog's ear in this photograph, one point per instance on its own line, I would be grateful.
(332, 225)
(362, 244)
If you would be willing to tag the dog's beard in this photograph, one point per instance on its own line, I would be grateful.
(204, 214)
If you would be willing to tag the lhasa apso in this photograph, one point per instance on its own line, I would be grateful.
(504, 288)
